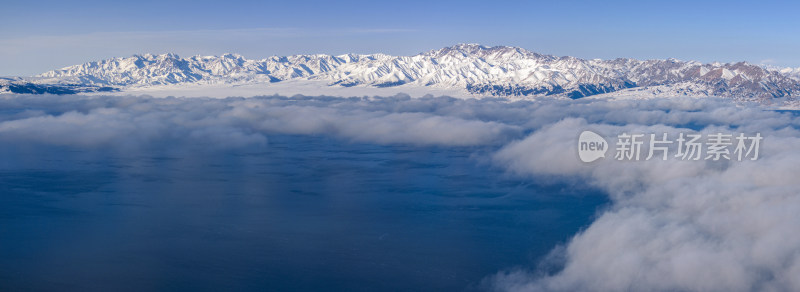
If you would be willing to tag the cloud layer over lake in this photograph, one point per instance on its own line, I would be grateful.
(673, 225)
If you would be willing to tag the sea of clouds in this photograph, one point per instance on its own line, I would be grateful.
(672, 226)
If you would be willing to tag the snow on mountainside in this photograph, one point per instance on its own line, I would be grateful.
(471, 68)
(793, 73)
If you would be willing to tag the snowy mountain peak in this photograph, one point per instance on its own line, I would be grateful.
(472, 68)
(793, 73)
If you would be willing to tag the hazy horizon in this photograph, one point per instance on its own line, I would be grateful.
(37, 37)
(369, 53)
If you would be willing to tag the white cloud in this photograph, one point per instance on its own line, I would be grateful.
(132, 121)
(672, 226)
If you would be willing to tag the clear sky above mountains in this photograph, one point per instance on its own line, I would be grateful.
(43, 35)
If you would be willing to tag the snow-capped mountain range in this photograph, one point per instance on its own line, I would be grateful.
(791, 72)
(469, 68)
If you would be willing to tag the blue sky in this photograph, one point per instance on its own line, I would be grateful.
(43, 35)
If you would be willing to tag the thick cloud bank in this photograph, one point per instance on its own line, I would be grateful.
(673, 226)
(237, 122)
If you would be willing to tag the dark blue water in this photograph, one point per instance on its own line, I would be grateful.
(304, 213)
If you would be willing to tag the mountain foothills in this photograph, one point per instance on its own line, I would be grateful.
(469, 68)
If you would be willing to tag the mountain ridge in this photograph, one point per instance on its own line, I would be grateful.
(475, 69)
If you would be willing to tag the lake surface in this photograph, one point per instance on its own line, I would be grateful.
(303, 213)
